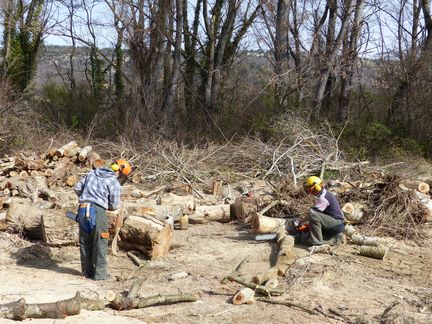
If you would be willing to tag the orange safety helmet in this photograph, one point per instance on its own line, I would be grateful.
(123, 166)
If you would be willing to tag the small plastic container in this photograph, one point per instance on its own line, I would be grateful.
(184, 222)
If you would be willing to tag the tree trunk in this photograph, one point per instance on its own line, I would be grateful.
(244, 296)
(263, 224)
(146, 234)
(25, 219)
(245, 207)
(205, 214)
(58, 230)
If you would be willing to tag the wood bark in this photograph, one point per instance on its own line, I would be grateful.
(373, 252)
(286, 255)
(263, 224)
(25, 219)
(205, 214)
(119, 302)
(61, 151)
(364, 240)
(20, 310)
(58, 230)
(420, 186)
(244, 296)
(147, 234)
(83, 153)
(353, 211)
(245, 207)
(261, 289)
(186, 202)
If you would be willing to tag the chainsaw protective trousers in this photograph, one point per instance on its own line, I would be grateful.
(323, 228)
(94, 247)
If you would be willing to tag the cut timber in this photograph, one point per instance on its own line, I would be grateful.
(94, 160)
(24, 175)
(244, 296)
(420, 186)
(20, 310)
(146, 234)
(25, 219)
(82, 155)
(205, 214)
(261, 289)
(353, 211)
(263, 224)
(119, 302)
(61, 151)
(286, 255)
(71, 180)
(373, 252)
(72, 152)
(349, 230)
(244, 207)
(58, 230)
(186, 202)
(364, 240)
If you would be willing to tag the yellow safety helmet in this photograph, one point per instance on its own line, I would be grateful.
(121, 165)
(312, 183)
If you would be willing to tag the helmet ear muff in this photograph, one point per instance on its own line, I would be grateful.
(317, 187)
(115, 167)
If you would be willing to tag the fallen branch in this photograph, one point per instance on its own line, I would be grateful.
(236, 272)
(20, 310)
(261, 289)
(288, 304)
(119, 302)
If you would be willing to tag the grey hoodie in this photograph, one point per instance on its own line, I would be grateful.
(101, 187)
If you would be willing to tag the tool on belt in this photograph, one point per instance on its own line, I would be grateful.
(86, 217)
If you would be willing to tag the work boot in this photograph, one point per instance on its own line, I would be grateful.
(325, 249)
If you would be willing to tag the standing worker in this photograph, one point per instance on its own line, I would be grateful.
(98, 191)
(326, 220)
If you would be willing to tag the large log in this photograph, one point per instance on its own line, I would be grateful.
(205, 214)
(25, 219)
(245, 207)
(20, 310)
(146, 234)
(364, 240)
(373, 252)
(263, 224)
(186, 202)
(58, 230)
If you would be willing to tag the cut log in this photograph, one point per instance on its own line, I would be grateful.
(58, 230)
(258, 288)
(353, 211)
(373, 252)
(72, 152)
(83, 153)
(187, 202)
(61, 151)
(25, 219)
(245, 207)
(272, 283)
(364, 240)
(420, 186)
(20, 310)
(146, 234)
(205, 214)
(71, 180)
(244, 296)
(24, 175)
(286, 255)
(48, 173)
(94, 160)
(263, 224)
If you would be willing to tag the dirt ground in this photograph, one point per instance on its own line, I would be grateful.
(341, 288)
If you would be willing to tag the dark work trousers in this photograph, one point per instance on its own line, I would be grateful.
(323, 228)
(94, 248)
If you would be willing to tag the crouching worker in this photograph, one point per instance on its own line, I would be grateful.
(98, 191)
(325, 219)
